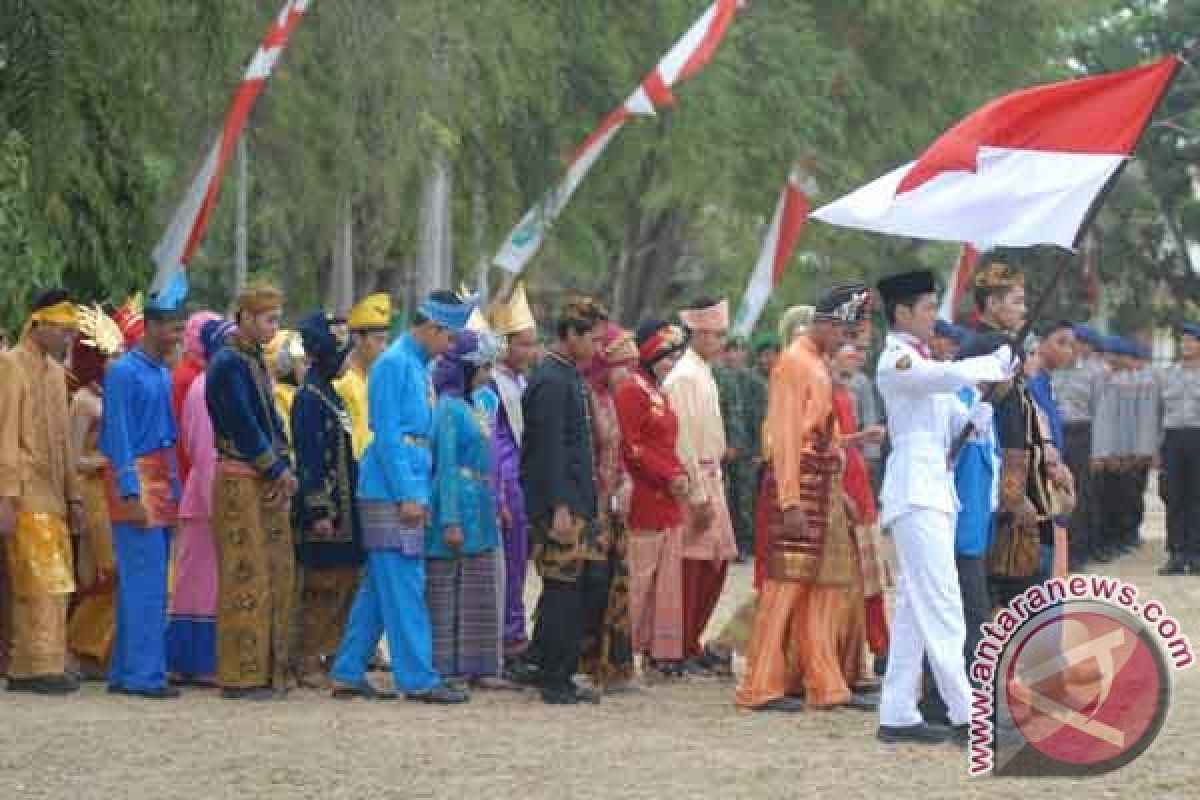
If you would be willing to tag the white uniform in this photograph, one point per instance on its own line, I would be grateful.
(919, 505)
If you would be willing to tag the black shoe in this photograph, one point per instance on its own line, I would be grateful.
(160, 693)
(960, 735)
(569, 697)
(696, 667)
(787, 705)
(364, 691)
(1075, 564)
(522, 673)
(47, 685)
(880, 666)
(258, 694)
(862, 702)
(912, 734)
(1194, 567)
(441, 695)
(1102, 555)
(1175, 566)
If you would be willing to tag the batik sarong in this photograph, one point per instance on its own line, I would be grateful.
(256, 570)
(461, 596)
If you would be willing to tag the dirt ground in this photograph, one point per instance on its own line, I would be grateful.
(678, 741)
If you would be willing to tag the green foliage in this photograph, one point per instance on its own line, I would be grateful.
(107, 109)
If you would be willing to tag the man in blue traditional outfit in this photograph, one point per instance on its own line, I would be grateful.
(137, 436)
(394, 494)
(251, 496)
(328, 534)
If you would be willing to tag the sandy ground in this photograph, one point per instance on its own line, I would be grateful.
(677, 741)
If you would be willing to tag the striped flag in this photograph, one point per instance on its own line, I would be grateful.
(790, 215)
(960, 281)
(689, 55)
(188, 225)
(1025, 169)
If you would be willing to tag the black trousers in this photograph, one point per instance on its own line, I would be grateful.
(1120, 500)
(977, 611)
(565, 611)
(1179, 485)
(1077, 443)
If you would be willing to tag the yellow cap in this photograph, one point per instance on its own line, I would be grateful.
(373, 313)
(513, 316)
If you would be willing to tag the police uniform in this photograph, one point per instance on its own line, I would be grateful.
(1179, 482)
(1073, 389)
(919, 506)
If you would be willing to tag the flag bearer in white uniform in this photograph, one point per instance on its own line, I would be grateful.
(919, 505)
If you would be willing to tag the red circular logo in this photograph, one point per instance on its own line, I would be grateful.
(1086, 687)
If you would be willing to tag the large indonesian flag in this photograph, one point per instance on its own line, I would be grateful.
(187, 227)
(1023, 170)
(790, 215)
(684, 60)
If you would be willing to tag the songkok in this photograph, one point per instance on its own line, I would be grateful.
(1190, 329)
(656, 340)
(795, 321)
(998, 275)
(713, 318)
(259, 298)
(449, 315)
(513, 316)
(168, 302)
(907, 284)
(848, 304)
(372, 314)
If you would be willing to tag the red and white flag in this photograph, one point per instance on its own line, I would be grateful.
(790, 215)
(684, 60)
(1026, 169)
(187, 226)
(960, 281)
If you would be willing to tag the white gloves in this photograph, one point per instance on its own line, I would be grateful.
(1009, 364)
(980, 418)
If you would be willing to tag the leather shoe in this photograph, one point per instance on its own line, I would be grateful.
(788, 705)
(49, 685)
(159, 693)
(364, 691)
(912, 734)
(439, 696)
(1174, 566)
(258, 694)
(569, 697)
(862, 702)
(960, 735)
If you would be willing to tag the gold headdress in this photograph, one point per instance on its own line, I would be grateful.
(998, 275)
(513, 316)
(98, 331)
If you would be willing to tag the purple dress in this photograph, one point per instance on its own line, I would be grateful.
(507, 489)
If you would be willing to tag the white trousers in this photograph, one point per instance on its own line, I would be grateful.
(928, 621)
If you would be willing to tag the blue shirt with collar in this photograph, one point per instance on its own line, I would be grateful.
(136, 419)
(398, 464)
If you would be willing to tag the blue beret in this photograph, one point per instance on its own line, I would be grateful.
(948, 330)
(1190, 329)
(1085, 334)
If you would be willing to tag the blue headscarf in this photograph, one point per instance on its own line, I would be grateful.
(454, 369)
(214, 334)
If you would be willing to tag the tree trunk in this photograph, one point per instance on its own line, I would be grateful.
(341, 283)
(434, 240)
(479, 223)
(241, 258)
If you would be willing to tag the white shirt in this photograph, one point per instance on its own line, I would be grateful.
(923, 418)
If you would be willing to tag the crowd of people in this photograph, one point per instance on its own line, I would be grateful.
(212, 501)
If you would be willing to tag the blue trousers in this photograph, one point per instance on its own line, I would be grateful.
(391, 599)
(139, 653)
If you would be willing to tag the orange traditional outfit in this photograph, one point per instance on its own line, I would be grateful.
(37, 475)
(798, 626)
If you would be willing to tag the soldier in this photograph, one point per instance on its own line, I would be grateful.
(733, 415)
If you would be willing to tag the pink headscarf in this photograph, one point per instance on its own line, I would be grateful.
(192, 344)
(616, 350)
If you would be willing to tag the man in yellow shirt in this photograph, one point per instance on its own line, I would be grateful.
(39, 496)
(369, 322)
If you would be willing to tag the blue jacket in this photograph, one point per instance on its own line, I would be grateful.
(975, 475)
(136, 419)
(398, 464)
(246, 426)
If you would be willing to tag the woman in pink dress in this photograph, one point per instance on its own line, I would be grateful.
(192, 631)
